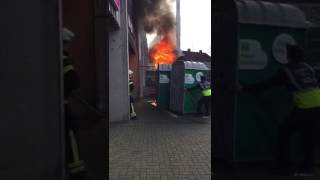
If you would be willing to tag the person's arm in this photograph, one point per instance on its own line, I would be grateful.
(278, 79)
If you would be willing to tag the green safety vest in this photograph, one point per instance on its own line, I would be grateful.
(206, 92)
(307, 99)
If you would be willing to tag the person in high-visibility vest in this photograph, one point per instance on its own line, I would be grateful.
(205, 86)
(302, 80)
(76, 167)
(133, 115)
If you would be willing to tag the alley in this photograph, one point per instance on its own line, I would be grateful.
(159, 146)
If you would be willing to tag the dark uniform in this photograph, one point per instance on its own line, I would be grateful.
(133, 115)
(71, 83)
(205, 87)
(302, 80)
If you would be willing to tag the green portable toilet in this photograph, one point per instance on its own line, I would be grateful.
(264, 30)
(185, 74)
(164, 72)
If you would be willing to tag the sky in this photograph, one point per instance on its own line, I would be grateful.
(195, 25)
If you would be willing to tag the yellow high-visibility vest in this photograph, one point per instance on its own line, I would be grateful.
(206, 92)
(307, 99)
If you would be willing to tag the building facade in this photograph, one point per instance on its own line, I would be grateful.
(197, 57)
(127, 50)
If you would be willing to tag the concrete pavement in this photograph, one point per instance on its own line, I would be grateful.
(159, 146)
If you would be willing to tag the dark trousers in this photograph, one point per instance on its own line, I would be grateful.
(131, 102)
(204, 100)
(76, 172)
(69, 125)
(133, 114)
(303, 123)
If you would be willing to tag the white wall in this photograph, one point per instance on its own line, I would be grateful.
(118, 70)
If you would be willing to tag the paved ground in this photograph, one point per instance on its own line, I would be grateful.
(159, 146)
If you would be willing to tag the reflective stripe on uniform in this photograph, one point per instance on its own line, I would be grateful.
(307, 99)
(77, 165)
(133, 113)
(74, 146)
(206, 92)
(67, 68)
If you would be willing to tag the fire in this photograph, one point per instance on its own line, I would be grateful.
(163, 51)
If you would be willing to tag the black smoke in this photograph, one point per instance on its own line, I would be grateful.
(157, 16)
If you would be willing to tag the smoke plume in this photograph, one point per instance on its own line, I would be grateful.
(157, 16)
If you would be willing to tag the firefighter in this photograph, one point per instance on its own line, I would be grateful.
(133, 115)
(76, 167)
(205, 86)
(302, 81)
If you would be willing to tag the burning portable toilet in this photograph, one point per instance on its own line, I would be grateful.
(264, 29)
(185, 74)
(163, 98)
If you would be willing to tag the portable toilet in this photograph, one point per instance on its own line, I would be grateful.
(263, 30)
(185, 74)
(163, 98)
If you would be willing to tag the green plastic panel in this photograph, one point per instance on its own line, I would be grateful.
(260, 114)
(164, 89)
(191, 98)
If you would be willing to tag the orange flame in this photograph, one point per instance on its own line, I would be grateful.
(163, 51)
